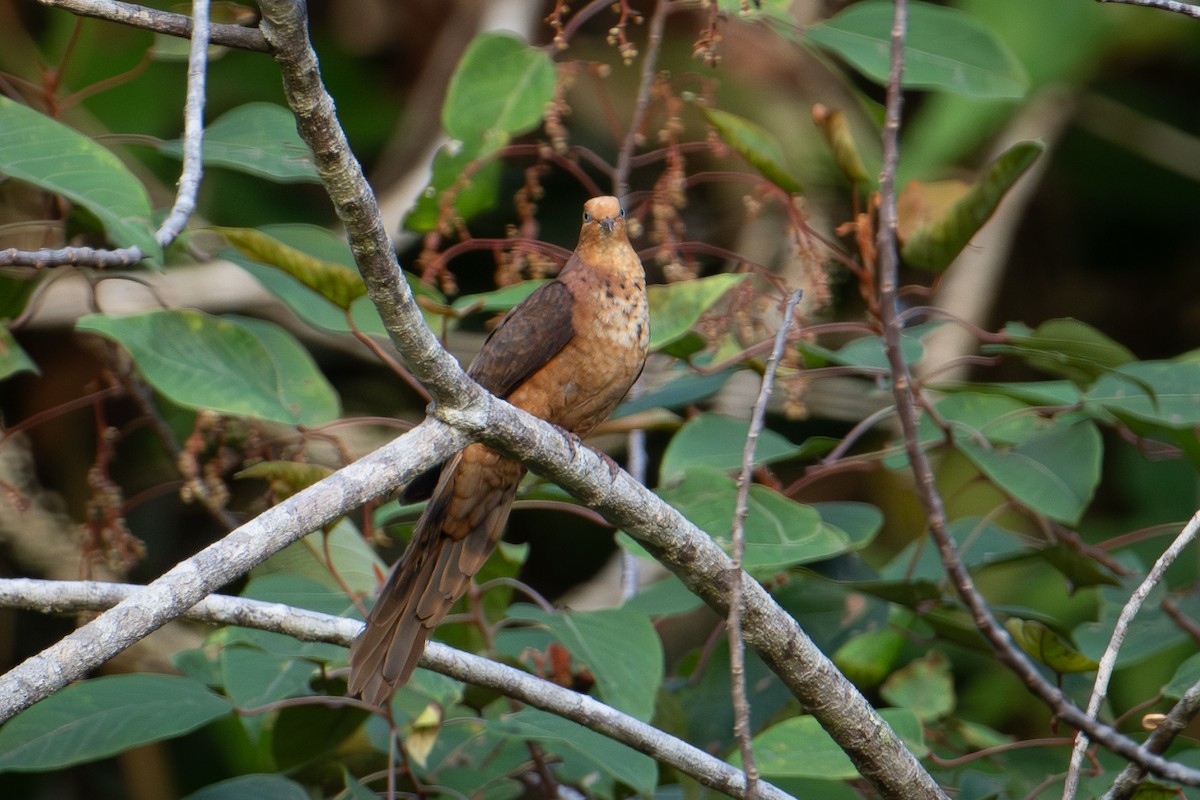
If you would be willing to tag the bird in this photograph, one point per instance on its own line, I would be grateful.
(568, 353)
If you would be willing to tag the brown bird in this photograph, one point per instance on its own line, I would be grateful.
(567, 354)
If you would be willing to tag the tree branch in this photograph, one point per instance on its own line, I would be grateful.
(1108, 661)
(926, 490)
(1187, 9)
(164, 22)
(192, 580)
(311, 626)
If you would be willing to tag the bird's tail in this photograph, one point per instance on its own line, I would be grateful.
(451, 541)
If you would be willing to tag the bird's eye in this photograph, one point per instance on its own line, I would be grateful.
(622, 213)
(587, 217)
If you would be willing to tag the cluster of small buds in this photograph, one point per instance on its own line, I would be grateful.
(555, 20)
(104, 530)
(616, 34)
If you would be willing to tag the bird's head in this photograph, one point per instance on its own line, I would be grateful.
(603, 215)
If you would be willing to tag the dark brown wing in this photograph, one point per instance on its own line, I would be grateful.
(521, 344)
(528, 336)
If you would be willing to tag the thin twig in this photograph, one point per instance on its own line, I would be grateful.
(737, 655)
(193, 129)
(1187, 9)
(926, 490)
(1120, 629)
(654, 37)
(151, 19)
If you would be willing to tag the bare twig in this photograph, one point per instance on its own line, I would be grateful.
(1159, 739)
(654, 38)
(1186, 9)
(935, 514)
(193, 129)
(1120, 629)
(737, 656)
(163, 22)
(311, 626)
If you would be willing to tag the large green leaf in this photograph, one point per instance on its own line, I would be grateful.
(252, 368)
(1054, 473)
(60, 160)
(944, 48)
(800, 747)
(676, 307)
(257, 138)
(935, 244)
(779, 532)
(716, 441)
(100, 717)
(1164, 393)
(499, 90)
(754, 144)
(254, 677)
(618, 645)
(572, 741)
(1066, 347)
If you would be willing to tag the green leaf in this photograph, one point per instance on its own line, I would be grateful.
(944, 49)
(755, 144)
(619, 646)
(1047, 646)
(97, 718)
(256, 138)
(499, 90)
(497, 300)
(1066, 347)
(310, 306)
(13, 358)
(356, 563)
(1186, 676)
(936, 244)
(1054, 474)
(924, 686)
(779, 532)
(252, 369)
(253, 678)
(575, 742)
(286, 477)
(866, 659)
(717, 441)
(676, 307)
(868, 351)
(60, 160)
(338, 284)
(474, 184)
(687, 388)
(260, 787)
(1159, 392)
(800, 748)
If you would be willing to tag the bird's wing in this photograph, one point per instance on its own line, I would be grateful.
(528, 336)
(521, 344)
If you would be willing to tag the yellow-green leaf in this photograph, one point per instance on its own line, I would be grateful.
(334, 282)
(935, 245)
(754, 144)
(1047, 646)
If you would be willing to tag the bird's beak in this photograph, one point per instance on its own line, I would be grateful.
(608, 223)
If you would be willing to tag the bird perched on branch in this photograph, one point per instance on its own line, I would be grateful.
(567, 354)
